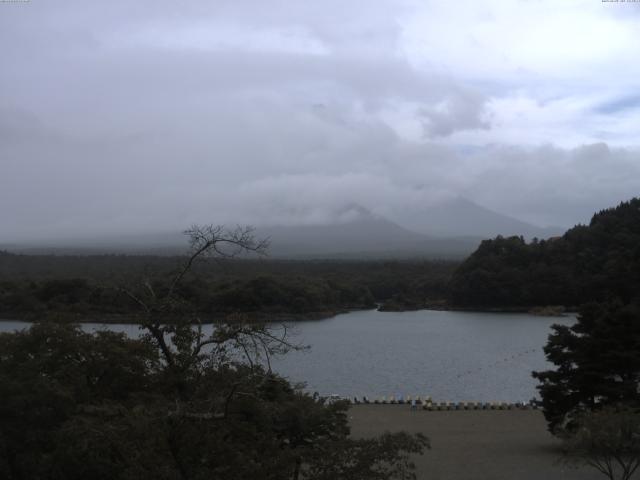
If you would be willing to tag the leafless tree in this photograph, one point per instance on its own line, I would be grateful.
(177, 330)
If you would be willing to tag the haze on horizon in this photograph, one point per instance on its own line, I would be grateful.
(151, 115)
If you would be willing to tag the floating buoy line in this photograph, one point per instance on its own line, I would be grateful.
(497, 363)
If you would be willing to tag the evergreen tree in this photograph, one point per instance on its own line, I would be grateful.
(588, 263)
(597, 363)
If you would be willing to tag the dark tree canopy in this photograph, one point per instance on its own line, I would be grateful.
(588, 263)
(597, 363)
(77, 405)
(174, 403)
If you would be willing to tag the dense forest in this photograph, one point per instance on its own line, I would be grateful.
(76, 287)
(592, 262)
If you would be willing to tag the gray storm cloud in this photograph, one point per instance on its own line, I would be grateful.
(464, 111)
(133, 117)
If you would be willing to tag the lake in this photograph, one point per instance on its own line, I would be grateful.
(451, 356)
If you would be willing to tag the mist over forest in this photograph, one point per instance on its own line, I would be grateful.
(121, 120)
(286, 240)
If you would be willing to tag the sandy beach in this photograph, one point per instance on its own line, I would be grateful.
(476, 444)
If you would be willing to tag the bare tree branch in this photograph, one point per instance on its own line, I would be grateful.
(204, 239)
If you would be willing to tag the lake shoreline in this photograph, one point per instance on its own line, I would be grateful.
(279, 317)
(132, 319)
(542, 311)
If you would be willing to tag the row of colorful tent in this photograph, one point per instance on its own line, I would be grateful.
(426, 403)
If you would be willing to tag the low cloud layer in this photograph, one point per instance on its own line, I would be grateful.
(119, 117)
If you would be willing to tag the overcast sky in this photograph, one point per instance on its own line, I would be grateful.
(122, 115)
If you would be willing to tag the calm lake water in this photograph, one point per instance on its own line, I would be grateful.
(452, 356)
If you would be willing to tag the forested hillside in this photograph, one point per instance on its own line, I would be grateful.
(588, 263)
(78, 287)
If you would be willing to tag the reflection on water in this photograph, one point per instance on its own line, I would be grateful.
(453, 356)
